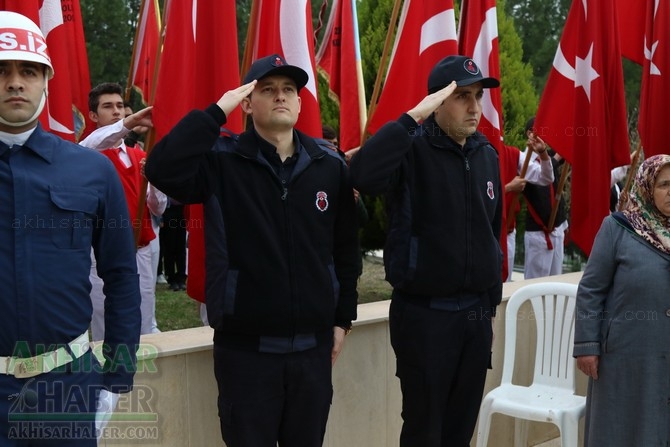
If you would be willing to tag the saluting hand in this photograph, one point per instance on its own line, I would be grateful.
(140, 121)
(233, 98)
(431, 102)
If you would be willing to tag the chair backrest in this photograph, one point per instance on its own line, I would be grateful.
(553, 310)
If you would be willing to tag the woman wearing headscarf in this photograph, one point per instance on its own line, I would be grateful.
(622, 328)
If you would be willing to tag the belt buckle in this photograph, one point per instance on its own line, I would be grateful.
(28, 367)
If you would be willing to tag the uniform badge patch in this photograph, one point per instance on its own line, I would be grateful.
(321, 201)
(471, 67)
(489, 190)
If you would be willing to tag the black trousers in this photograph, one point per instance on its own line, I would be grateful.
(173, 244)
(267, 400)
(442, 359)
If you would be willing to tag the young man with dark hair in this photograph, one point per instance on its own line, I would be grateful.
(442, 256)
(281, 255)
(107, 110)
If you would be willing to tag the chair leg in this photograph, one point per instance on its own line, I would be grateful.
(484, 425)
(569, 432)
(520, 432)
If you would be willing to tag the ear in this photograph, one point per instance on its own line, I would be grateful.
(299, 104)
(246, 106)
(93, 116)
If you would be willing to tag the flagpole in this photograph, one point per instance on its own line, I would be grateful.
(515, 197)
(248, 46)
(557, 196)
(623, 197)
(151, 134)
(129, 83)
(251, 36)
(382, 65)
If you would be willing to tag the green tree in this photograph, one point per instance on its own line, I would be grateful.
(517, 90)
(539, 24)
(109, 26)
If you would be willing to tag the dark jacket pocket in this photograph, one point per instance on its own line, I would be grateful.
(72, 216)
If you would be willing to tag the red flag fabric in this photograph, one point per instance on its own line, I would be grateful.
(426, 34)
(147, 39)
(339, 59)
(655, 90)
(61, 23)
(285, 27)
(582, 112)
(631, 17)
(199, 51)
(478, 38)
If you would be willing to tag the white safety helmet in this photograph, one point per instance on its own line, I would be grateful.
(22, 40)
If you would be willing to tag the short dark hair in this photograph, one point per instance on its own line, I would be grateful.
(328, 132)
(530, 124)
(106, 88)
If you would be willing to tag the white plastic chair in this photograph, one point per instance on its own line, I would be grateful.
(551, 397)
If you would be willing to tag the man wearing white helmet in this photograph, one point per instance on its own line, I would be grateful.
(57, 201)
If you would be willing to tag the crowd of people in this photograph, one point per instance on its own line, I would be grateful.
(282, 257)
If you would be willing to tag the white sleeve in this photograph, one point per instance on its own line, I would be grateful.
(156, 201)
(104, 408)
(539, 172)
(618, 174)
(105, 137)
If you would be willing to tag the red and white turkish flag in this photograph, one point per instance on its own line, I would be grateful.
(426, 34)
(199, 51)
(285, 27)
(339, 59)
(655, 90)
(145, 49)
(582, 112)
(478, 39)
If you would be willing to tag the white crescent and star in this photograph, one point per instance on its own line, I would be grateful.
(481, 53)
(583, 74)
(649, 52)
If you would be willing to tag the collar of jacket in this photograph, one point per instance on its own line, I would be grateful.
(248, 145)
(439, 138)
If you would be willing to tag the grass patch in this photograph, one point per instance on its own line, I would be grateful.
(176, 310)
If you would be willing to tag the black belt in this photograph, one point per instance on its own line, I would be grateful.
(450, 303)
(274, 344)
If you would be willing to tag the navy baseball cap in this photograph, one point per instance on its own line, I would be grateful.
(276, 65)
(461, 69)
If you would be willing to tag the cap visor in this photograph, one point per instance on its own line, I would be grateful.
(298, 75)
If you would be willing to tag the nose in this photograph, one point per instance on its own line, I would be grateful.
(475, 104)
(14, 81)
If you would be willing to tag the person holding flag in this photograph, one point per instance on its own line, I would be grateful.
(443, 256)
(59, 202)
(281, 254)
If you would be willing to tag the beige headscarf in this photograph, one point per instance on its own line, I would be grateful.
(641, 212)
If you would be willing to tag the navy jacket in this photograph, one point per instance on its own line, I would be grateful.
(280, 258)
(57, 201)
(444, 206)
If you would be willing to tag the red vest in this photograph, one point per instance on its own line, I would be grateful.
(508, 170)
(131, 179)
